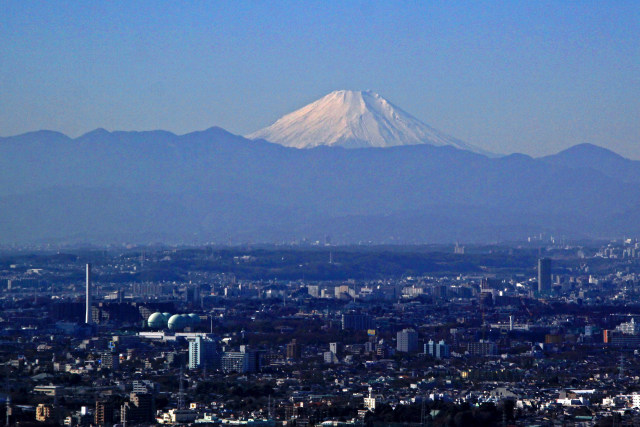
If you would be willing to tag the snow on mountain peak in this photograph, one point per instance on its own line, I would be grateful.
(354, 119)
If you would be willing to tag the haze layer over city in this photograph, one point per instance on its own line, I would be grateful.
(318, 214)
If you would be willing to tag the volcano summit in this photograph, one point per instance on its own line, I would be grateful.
(353, 119)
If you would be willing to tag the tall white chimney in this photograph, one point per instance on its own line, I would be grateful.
(87, 318)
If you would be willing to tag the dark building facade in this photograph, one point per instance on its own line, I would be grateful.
(104, 413)
(358, 322)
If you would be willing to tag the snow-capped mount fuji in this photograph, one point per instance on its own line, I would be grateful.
(354, 119)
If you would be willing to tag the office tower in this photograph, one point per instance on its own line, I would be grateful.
(192, 295)
(544, 276)
(87, 317)
(407, 340)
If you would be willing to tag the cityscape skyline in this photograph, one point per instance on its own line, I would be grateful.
(319, 214)
(280, 335)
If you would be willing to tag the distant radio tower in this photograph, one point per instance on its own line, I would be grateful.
(87, 318)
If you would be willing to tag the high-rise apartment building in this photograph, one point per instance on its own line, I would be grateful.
(203, 353)
(439, 350)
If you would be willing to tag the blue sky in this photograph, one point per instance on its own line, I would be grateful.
(532, 77)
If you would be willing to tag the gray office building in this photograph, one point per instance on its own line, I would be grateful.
(407, 341)
(544, 276)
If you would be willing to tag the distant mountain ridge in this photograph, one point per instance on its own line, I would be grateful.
(354, 119)
(213, 186)
(598, 159)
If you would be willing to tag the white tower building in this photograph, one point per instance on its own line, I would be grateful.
(87, 318)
